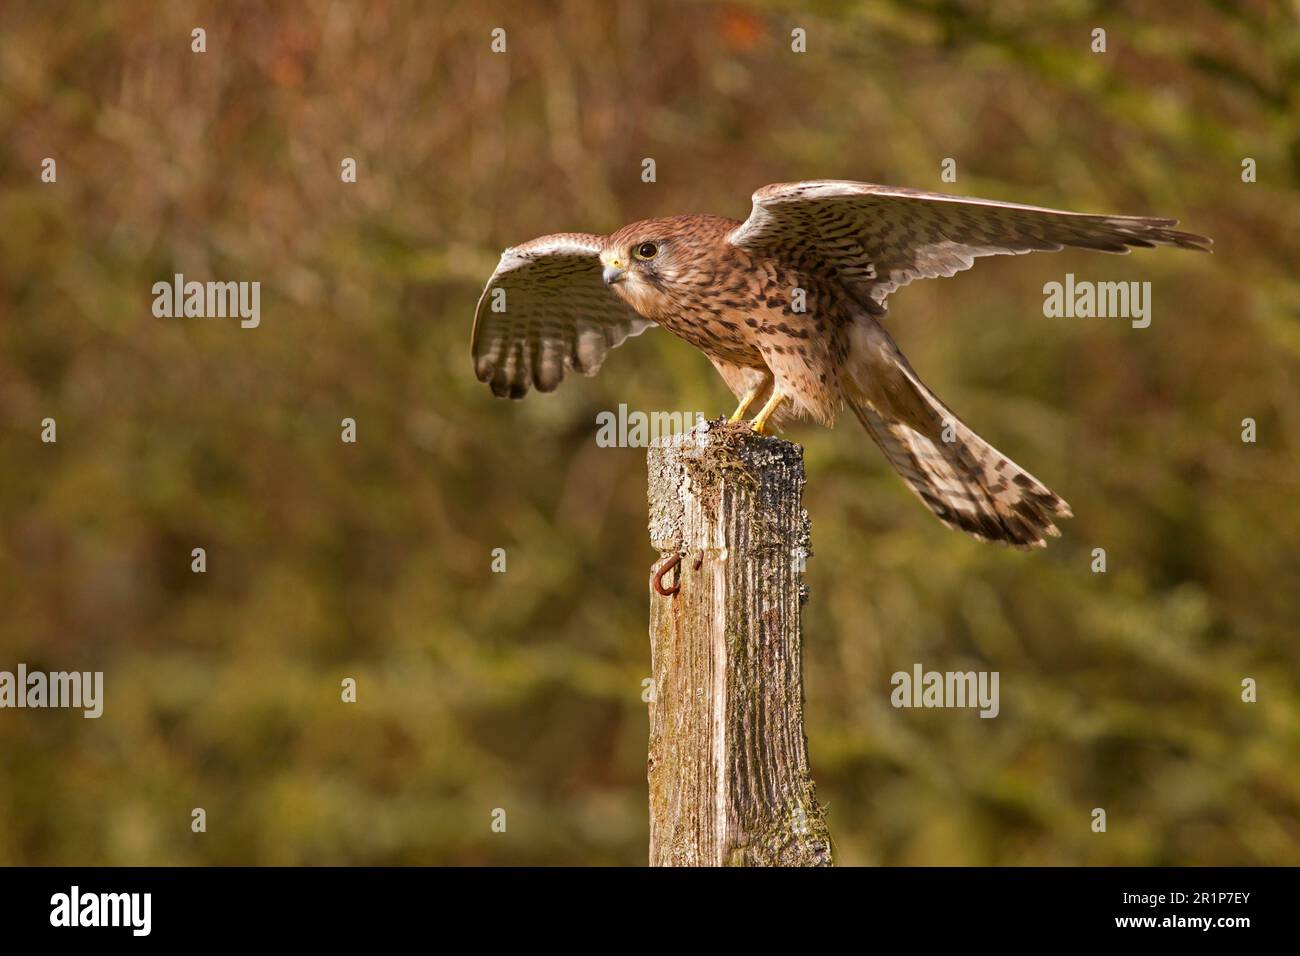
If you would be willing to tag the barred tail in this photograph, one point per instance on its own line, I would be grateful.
(965, 481)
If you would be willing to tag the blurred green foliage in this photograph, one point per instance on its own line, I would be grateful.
(522, 690)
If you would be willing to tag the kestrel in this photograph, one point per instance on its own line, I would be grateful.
(788, 307)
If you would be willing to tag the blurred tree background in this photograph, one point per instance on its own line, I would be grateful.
(522, 690)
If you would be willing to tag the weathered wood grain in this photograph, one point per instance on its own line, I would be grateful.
(728, 761)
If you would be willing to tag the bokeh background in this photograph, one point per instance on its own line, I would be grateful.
(522, 690)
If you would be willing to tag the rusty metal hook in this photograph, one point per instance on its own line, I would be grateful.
(658, 580)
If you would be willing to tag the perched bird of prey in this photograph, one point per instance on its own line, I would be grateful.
(788, 306)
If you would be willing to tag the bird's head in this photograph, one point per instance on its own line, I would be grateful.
(647, 263)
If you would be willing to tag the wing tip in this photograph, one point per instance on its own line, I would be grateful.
(1195, 242)
(505, 387)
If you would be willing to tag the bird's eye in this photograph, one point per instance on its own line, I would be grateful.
(647, 250)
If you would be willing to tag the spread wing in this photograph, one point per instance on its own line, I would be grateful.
(544, 311)
(880, 238)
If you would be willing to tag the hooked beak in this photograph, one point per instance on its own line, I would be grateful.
(612, 273)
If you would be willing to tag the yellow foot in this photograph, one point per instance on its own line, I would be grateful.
(760, 420)
(745, 402)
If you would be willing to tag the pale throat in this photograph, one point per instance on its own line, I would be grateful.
(648, 301)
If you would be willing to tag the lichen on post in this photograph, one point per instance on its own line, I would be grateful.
(728, 761)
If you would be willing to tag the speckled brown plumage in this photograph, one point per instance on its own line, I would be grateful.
(787, 305)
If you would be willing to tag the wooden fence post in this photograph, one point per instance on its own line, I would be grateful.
(728, 762)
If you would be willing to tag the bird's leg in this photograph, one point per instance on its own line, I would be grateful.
(760, 420)
(745, 402)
